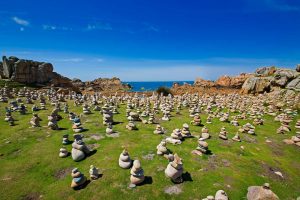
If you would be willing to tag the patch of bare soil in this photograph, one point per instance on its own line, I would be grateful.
(276, 148)
(31, 196)
(175, 189)
(149, 156)
(96, 137)
(93, 146)
(269, 171)
(249, 139)
(62, 173)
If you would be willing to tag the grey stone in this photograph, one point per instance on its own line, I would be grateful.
(298, 68)
(294, 84)
(260, 193)
(256, 85)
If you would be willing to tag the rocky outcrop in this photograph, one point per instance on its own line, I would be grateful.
(33, 72)
(42, 74)
(204, 83)
(187, 88)
(283, 76)
(101, 84)
(233, 81)
(265, 71)
(298, 68)
(270, 78)
(256, 85)
(26, 71)
(1, 71)
(224, 81)
(294, 84)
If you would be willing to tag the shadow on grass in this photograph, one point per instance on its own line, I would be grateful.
(91, 153)
(187, 177)
(83, 185)
(148, 181)
(84, 130)
(116, 123)
(209, 152)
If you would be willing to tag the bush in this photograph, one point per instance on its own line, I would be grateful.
(165, 91)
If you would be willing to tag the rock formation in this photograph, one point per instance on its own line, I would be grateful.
(256, 85)
(298, 68)
(31, 72)
(224, 81)
(42, 74)
(204, 83)
(270, 78)
(101, 84)
(233, 81)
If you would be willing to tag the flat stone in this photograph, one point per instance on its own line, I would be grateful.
(149, 156)
(279, 174)
(132, 185)
(175, 189)
(113, 135)
(96, 137)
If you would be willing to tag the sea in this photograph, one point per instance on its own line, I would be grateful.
(150, 86)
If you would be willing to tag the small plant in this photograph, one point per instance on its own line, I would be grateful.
(165, 91)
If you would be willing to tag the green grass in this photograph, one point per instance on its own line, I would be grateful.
(29, 164)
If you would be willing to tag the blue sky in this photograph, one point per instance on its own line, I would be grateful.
(139, 40)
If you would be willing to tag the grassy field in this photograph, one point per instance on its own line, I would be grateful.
(30, 167)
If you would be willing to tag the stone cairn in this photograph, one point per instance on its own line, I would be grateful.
(52, 123)
(234, 121)
(109, 129)
(162, 148)
(296, 138)
(77, 128)
(175, 138)
(107, 115)
(35, 120)
(236, 138)
(94, 172)
(63, 152)
(204, 134)
(78, 179)
(65, 139)
(185, 131)
(124, 160)
(223, 134)
(196, 120)
(159, 129)
(136, 174)
(174, 170)
(79, 149)
(247, 128)
(86, 109)
(131, 124)
(201, 149)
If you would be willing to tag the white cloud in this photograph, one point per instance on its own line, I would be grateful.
(22, 29)
(20, 21)
(49, 27)
(99, 26)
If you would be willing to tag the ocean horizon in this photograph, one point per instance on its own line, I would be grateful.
(142, 86)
